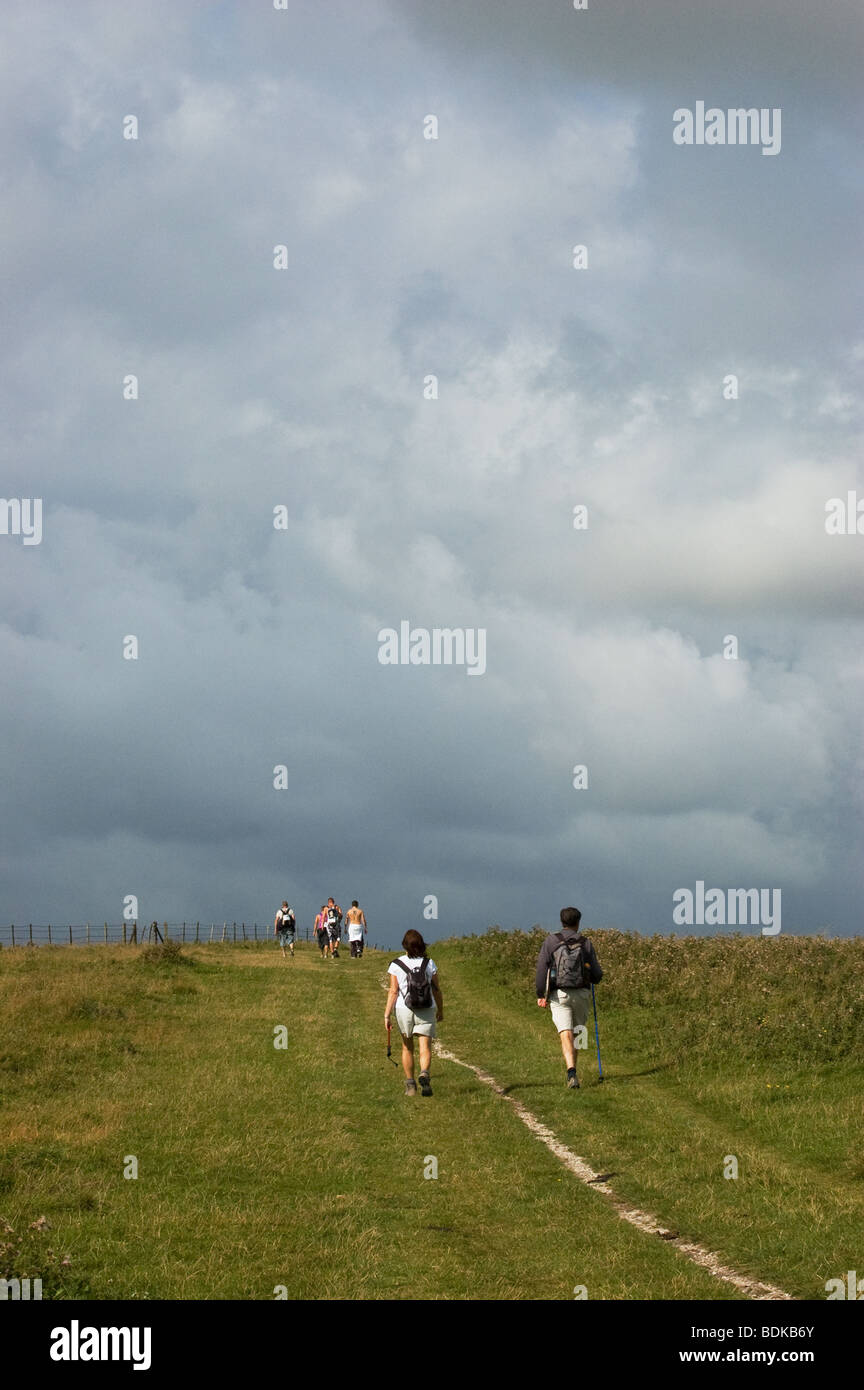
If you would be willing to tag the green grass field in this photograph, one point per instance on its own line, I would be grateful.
(303, 1167)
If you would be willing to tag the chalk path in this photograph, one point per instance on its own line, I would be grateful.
(752, 1288)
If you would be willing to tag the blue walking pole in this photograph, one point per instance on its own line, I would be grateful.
(596, 1032)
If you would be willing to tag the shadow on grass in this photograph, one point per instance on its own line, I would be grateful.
(530, 1086)
(588, 1084)
(647, 1071)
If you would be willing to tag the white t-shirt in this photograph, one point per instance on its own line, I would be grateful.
(413, 963)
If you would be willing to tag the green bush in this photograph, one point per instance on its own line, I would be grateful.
(27, 1255)
(164, 953)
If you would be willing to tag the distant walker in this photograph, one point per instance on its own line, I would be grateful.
(356, 921)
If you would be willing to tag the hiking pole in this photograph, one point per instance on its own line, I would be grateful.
(596, 1032)
(392, 1059)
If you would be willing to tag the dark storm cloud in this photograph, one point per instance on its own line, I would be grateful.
(304, 388)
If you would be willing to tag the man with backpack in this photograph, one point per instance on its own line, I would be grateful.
(285, 927)
(415, 993)
(567, 966)
(333, 918)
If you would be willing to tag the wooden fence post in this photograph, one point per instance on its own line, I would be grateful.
(135, 933)
(197, 925)
(224, 928)
(184, 931)
(31, 933)
(13, 933)
(124, 932)
(235, 931)
(106, 933)
(49, 933)
(88, 933)
(70, 935)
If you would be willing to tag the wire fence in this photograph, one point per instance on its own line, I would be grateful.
(135, 933)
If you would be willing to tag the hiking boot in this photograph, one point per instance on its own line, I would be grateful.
(425, 1084)
(410, 1088)
(572, 1081)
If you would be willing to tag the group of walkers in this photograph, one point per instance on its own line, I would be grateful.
(567, 969)
(327, 928)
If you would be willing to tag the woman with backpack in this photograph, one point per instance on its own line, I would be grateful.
(415, 993)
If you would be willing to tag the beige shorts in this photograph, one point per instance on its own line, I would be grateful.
(419, 1021)
(569, 1008)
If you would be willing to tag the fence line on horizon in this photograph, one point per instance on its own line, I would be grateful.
(138, 934)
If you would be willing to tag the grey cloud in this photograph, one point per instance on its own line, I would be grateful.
(406, 257)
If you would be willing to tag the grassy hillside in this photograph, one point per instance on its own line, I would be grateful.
(750, 1047)
(304, 1167)
(796, 998)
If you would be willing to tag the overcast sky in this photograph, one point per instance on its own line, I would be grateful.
(304, 387)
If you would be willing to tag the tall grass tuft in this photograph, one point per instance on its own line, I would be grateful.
(166, 953)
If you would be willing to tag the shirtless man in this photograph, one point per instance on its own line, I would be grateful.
(356, 919)
(322, 936)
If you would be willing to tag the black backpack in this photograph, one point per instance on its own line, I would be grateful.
(418, 991)
(570, 962)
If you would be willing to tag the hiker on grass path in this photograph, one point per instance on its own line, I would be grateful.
(415, 993)
(567, 966)
(285, 927)
(322, 936)
(334, 926)
(356, 919)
